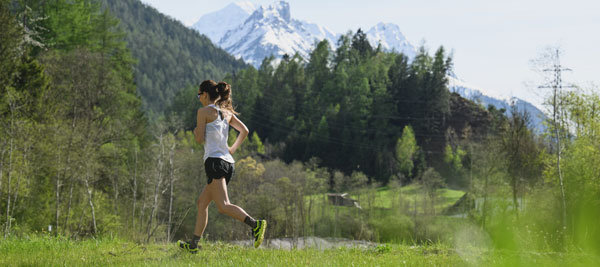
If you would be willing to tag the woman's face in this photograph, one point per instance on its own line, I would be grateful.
(203, 98)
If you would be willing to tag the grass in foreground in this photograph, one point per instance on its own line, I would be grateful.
(46, 251)
(42, 251)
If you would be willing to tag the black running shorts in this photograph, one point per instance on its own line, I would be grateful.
(217, 168)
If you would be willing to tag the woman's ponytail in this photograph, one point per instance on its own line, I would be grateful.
(221, 92)
(224, 101)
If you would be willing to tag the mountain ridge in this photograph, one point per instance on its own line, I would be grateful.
(270, 30)
(273, 28)
(170, 55)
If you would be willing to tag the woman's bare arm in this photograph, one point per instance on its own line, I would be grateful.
(241, 127)
(200, 127)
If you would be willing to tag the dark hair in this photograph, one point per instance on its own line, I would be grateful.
(219, 91)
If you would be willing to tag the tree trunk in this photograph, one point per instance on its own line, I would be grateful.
(415, 217)
(71, 182)
(485, 195)
(154, 205)
(400, 202)
(65, 225)
(308, 212)
(18, 186)
(79, 224)
(514, 193)
(335, 224)
(57, 189)
(156, 188)
(134, 192)
(89, 191)
(1, 171)
(171, 179)
(9, 176)
(144, 194)
(116, 187)
(555, 120)
(433, 198)
(67, 166)
(116, 194)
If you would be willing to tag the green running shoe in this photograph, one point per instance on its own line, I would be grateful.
(259, 232)
(187, 246)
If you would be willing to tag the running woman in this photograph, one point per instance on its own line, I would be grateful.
(213, 121)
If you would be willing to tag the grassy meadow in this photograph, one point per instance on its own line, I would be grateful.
(387, 198)
(50, 251)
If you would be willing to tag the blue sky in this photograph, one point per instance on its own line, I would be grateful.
(492, 41)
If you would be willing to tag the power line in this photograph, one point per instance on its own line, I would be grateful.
(264, 122)
(332, 124)
(402, 118)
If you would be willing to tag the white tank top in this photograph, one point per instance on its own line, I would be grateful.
(215, 138)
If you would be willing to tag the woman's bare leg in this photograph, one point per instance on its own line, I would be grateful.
(218, 193)
(202, 217)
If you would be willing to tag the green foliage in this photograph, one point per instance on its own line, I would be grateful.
(77, 154)
(349, 107)
(432, 180)
(454, 157)
(170, 56)
(255, 144)
(392, 227)
(522, 152)
(406, 149)
(580, 167)
(12, 37)
(71, 115)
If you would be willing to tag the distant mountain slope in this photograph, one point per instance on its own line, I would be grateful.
(169, 55)
(537, 117)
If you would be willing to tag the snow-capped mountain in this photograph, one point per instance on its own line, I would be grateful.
(253, 33)
(215, 25)
(268, 30)
(391, 39)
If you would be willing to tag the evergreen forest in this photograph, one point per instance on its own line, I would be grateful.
(98, 103)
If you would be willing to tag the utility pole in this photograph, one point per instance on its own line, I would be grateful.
(557, 87)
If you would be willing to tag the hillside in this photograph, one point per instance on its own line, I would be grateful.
(169, 55)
